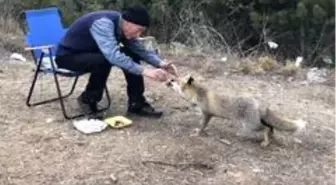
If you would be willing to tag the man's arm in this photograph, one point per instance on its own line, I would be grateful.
(102, 31)
(147, 55)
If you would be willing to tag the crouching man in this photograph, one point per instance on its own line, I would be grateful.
(92, 44)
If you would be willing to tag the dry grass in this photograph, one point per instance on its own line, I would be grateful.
(289, 69)
(258, 65)
(267, 64)
(9, 26)
(11, 36)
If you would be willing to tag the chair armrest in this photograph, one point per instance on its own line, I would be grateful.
(146, 38)
(39, 47)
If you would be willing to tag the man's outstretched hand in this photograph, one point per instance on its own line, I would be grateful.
(156, 74)
(161, 74)
(169, 67)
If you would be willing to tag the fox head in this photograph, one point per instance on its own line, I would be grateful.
(183, 85)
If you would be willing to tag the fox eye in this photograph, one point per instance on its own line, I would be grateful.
(172, 80)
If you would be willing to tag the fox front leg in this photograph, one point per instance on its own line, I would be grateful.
(204, 122)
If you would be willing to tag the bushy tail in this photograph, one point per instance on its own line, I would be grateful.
(270, 118)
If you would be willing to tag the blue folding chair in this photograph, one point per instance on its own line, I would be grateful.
(43, 30)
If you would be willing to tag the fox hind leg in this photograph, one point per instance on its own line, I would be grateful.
(204, 122)
(268, 133)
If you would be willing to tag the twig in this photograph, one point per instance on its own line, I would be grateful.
(239, 43)
(221, 38)
(185, 21)
(317, 44)
(328, 128)
(181, 166)
(224, 141)
(182, 108)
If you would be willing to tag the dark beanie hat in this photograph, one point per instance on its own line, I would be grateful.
(136, 14)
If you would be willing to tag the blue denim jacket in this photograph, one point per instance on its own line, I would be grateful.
(102, 31)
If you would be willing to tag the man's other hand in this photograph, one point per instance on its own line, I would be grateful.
(169, 67)
(156, 74)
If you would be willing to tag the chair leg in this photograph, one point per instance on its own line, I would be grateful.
(48, 100)
(66, 116)
(34, 81)
(59, 93)
(108, 97)
(61, 98)
(72, 88)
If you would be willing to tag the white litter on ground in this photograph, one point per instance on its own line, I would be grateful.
(88, 126)
(272, 45)
(298, 61)
(17, 56)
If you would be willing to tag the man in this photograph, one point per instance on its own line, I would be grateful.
(92, 44)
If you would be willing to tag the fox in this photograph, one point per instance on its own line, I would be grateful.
(245, 110)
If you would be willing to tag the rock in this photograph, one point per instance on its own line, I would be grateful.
(224, 59)
(316, 76)
(49, 120)
(113, 178)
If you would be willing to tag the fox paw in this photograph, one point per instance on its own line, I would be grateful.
(264, 143)
(198, 132)
(203, 133)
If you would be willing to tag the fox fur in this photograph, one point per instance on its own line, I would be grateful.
(245, 110)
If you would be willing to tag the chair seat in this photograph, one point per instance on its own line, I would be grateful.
(62, 72)
(68, 73)
(47, 68)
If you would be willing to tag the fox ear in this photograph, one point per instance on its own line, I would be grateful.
(190, 80)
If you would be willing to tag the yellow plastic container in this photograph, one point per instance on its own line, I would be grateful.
(118, 121)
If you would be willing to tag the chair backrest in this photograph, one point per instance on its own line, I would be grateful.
(44, 27)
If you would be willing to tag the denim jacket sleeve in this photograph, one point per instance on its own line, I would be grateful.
(147, 55)
(102, 30)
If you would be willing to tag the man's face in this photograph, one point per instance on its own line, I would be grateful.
(131, 30)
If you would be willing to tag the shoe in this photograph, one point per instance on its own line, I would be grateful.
(144, 109)
(87, 107)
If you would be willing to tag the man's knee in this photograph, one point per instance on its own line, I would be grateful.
(84, 62)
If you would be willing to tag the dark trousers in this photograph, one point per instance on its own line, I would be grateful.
(99, 67)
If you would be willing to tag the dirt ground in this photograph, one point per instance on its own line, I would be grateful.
(38, 146)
